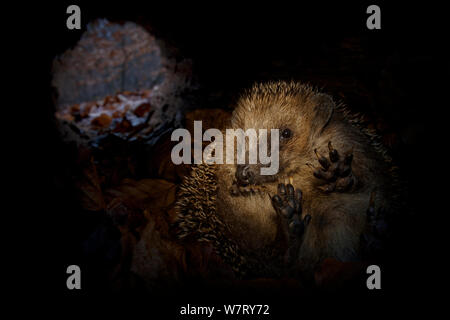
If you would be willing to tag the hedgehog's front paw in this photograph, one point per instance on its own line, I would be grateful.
(335, 171)
(288, 203)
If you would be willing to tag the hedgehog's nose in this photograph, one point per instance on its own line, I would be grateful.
(244, 174)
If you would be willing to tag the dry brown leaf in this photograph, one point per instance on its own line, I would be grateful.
(102, 121)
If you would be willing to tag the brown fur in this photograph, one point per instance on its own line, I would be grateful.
(250, 223)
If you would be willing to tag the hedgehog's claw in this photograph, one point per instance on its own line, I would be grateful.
(334, 155)
(335, 171)
(322, 160)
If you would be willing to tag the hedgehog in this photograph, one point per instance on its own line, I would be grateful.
(332, 196)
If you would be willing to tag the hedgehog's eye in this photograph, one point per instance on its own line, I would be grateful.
(286, 134)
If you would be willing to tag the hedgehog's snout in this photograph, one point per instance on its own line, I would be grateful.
(250, 174)
(245, 174)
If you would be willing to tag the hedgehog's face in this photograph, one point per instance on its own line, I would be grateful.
(293, 132)
(297, 117)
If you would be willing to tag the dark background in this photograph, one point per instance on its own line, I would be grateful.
(396, 74)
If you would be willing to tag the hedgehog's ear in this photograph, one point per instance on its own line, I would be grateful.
(323, 110)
